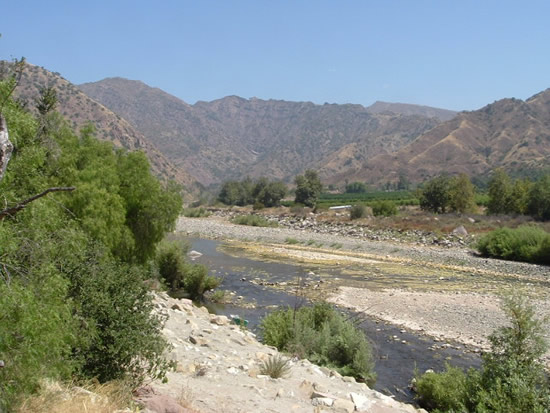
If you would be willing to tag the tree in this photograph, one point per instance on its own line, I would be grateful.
(539, 199)
(500, 189)
(270, 194)
(356, 188)
(308, 188)
(462, 194)
(435, 195)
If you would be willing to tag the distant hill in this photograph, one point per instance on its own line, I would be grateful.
(80, 109)
(408, 109)
(509, 133)
(235, 137)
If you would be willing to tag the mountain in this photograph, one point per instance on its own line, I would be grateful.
(79, 109)
(408, 109)
(509, 133)
(235, 137)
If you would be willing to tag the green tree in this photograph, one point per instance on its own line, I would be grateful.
(268, 193)
(308, 188)
(435, 195)
(500, 189)
(462, 194)
(539, 199)
(356, 188)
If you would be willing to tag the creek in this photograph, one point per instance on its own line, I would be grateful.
(397, 352)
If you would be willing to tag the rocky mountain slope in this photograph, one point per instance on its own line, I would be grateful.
(408, 109)
(80, 109)
(234, 137)
(509, 133)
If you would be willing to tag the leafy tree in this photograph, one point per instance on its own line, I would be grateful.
(356, 188)
(308, 188)
(500, 188)
(539, 199)
(435, 195)
(462, 194)
(270, 195)
(403, 184)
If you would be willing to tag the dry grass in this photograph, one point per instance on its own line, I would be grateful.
(55, 397)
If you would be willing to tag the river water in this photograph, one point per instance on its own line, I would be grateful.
(397, 352)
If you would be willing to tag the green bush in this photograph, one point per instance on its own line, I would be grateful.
(526, 243)
(512, 377)
(323, 336)
(358, 211)
(170, 262)
(383, 208)
(253, 220)
(197, 281)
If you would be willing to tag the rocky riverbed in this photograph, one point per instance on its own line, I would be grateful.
(443, 291)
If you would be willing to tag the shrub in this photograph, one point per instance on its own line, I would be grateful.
(197, 281)
(171, 263)
(291, 241)
(512, 377)
(383, 208)
(322, 335)
(275, 367)
(358, 211)
(525, 243)
(195, 212)
(253, 220)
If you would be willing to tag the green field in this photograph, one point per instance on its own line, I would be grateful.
(398, 197)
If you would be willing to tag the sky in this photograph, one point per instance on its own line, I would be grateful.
(453, 54)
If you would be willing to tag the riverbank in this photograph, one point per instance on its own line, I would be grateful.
(443, 292)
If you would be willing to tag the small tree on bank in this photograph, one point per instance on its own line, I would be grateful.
(308, 188)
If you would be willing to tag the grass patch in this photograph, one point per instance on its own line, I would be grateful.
(275, 367)
(291, 241)
(336, 245)
(254, 221)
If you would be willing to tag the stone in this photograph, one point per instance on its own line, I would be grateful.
(460, 231)
(344, 405)
(199, 341)
(322, 401)
(360, 401)
(348, 379)
(306, 388)
(219, 320)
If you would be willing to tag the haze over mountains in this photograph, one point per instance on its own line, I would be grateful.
(233, 137)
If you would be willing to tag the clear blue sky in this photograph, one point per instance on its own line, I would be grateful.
(455, 54)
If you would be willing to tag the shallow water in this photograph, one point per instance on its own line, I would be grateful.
(395, 360)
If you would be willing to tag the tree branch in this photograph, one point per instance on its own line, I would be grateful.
(15, 209)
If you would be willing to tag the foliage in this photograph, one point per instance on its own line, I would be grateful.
(308, 188)
(358, 211)
(253, 220)
(195, 212)
(462, 197)
(539, 199)
(445, 391)
(525, 243)
(170, 263)
(323, 336)
(356, 188)
(197, 281)
(246, 192)
(72, 287)
(291, 241)
(275, 367)
(383, 208)
(397, 197)
(435, 195)
(500, 188)
(512, 378)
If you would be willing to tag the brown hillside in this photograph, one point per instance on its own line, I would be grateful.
(408, 109)
(79, 109)
(508, 133)
(235, 137)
